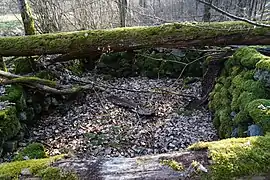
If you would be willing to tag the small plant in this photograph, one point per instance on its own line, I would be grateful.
(173, 164)
(32, 151)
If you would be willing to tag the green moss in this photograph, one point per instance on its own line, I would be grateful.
(32, 151)
(173, 164)
(264, 64)
(76, 68)
(237, 157)
(260, 115)
(220, 99)
(65, 42)
(245, 98)
(24, 65)
(235, 96)
(9, 123)
(242, 118)
(45, 75)
(226, 123)
(29, 23)
(52, 173)
(35, 80)
(248, 56)
(36, 166)
(15, 94)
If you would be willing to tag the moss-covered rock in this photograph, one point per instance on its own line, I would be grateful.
(248, 57)
(32, 151)
(236, 88)
(52, 173)
(37, 167)
(24, 65)
(235, 158)
(259, 110)
(9, 123)
(15, 94)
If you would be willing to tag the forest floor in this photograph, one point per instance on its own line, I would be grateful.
(94, 126)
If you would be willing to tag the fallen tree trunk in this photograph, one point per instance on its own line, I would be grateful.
(242, 158)
(229, 159)
(121, 39)
(172, 166)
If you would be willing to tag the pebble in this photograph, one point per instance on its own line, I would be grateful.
(26, 172)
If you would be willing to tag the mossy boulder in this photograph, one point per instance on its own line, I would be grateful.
(37, 167)
(32, 151)
(236, 88)
(9, 124)
(237, 157)
(15, 94)
(259, 110)
(248, 57)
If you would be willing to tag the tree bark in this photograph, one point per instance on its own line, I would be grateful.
(27, 18)
(175, 35)
(122, 5)
(207, 13)
(146, 167)
(2, 64)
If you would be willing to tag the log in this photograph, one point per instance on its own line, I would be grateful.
(150, 167)
(241, 158)
(177, 35)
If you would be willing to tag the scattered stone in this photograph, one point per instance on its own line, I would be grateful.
(26, 158)
(254, 130)
(235, 133)
(94, 126)
(26, 172)
(263, 76)
(22, 116)
(233, 114)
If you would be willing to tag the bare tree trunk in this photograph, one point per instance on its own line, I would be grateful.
(122, 5)
(207, 13)
(27, 18)
(263, 9)
(251, 8)
(240, 9)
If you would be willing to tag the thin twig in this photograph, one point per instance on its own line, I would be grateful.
(185, 68)
(164, 60)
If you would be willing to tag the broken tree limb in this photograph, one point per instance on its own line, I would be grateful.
(122, 39)
(55, 88)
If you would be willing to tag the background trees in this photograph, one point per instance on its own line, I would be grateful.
(68, 15)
